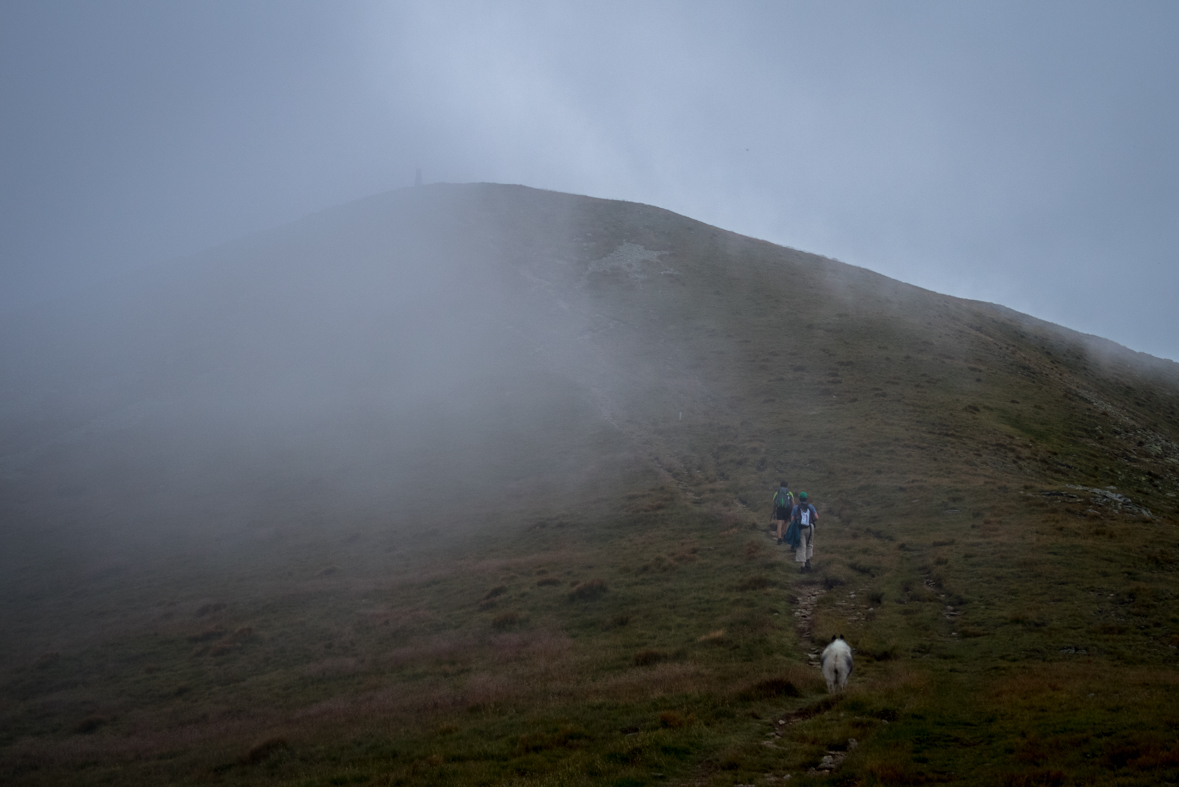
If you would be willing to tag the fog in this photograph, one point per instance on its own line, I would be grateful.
(209, 325)
(388, 363)
(437, 359)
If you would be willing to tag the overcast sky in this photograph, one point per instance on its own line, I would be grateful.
(1021, 153)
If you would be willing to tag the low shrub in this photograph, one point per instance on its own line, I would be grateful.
(213, 632)
(756, 583)
(645, 658)
(89, 725)
(498, 590)
(262, 750)
(769, 689)
(506, 620)
(224, 647)
(671, 720)
(1043, 778)
(588, 591)
(883, 652)
(567, 737)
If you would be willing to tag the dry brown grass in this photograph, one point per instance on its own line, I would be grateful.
(334, 668)
(89, 724)
(445, 647)
(148, 735)
(588, 591)
(212, 632)
(758, 582)
(541, 647)
(647, 658)
(494, 592)
(567, 736)
(662, 679)
(673, 720)
(769, 689)
(506, 620)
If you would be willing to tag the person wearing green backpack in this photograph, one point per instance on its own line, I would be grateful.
(783, 504)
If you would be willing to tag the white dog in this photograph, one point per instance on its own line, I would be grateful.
(837, 664)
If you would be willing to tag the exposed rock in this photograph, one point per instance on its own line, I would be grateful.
(1108, 498)
(629, 258)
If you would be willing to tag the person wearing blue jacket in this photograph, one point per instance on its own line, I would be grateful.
(802, 518)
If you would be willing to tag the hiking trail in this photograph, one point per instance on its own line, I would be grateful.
(809, 593)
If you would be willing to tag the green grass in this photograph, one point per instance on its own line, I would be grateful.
(414, 681)
(619, 614)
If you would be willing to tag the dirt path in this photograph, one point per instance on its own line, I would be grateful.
(808, 589)
(809, 593)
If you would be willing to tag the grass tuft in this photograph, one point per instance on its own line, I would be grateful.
(1039, 778)
(262, 750)
(670, 720)
(89, 725)
(831, 582)
(213, 632)
(769, 689)
(588, 591)
(756, 583)
(506, 620)
(568, 736)
(646, 658)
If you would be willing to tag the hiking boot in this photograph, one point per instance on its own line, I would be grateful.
(779, 542)
(808, 565)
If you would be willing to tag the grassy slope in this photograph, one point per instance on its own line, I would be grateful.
(1008, 624)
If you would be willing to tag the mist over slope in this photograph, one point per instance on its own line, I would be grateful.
(469, 337)
(493, 459)
(349, 351)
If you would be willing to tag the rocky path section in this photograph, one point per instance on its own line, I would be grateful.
(808, 590)
(808, 598)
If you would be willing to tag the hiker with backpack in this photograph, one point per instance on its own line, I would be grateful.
(783, 504)
(802, 519)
